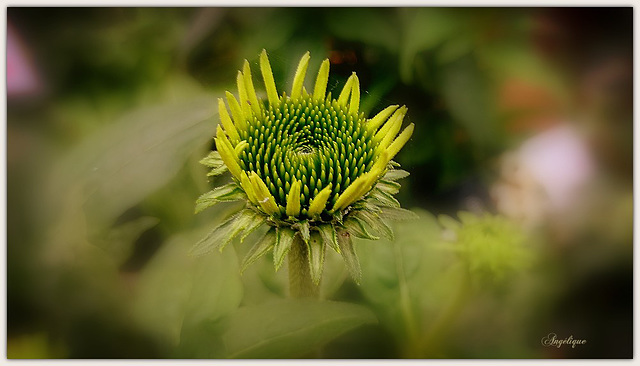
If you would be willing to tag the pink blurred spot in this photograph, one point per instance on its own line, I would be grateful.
(21, 76)
(560, 161)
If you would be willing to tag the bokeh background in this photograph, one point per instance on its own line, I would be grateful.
(521, 172)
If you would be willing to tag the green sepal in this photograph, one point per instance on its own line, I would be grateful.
(217, 171)
(357, 227)
(226, 193)
(328, 233)
(223, 233)
(213, 160)
(316, 249)
(263, 246)
(338, 216)
(367, 205)
(303, 227)
(395, 174)
(349, 255)
(388, 186)
(376, 223)
(382, 198)
(284, 239)
(255, 224)
(397, 213)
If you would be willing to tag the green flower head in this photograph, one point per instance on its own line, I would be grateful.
(492, 247)
(309, 166)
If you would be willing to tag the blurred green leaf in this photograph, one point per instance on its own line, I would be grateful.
(424, 29)
(119, 240)
(400, 277)
(370, 26)
(177, 290)
(122, 163)
(455, 47)
(471, 99)
(290, 328)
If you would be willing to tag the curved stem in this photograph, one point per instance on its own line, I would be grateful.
(300, 283)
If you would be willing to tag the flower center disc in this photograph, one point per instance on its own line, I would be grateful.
(314, 141)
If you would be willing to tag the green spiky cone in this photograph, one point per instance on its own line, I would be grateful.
(311, 167)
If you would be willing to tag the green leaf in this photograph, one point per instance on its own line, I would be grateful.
(328, 233)
(290, 328)
(316, 249)
(388, 186)
(397, 213)
(284, 239)
(226, 193)
(382, 198)
(376, 223)
(224, 233)
(349, 255)
(357, 227)
(395, 174)
(263, 246)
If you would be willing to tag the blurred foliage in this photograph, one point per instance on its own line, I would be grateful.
(102, 175)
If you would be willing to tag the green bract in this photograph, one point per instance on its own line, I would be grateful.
(309, 166)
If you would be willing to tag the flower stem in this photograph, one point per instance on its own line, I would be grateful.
(300, 284)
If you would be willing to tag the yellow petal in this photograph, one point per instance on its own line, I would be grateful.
(248, 188)
(321, 81)
(267, 75)
(319, 202)
(382, 161)
(354, 103)
(377, 170)
(346, 91)
(298, 79)
(244, 98)
(351, 193)
(379, 118)
(387, 126)
(392, 132)
(236, 112)
(227, 153)
(293, 199)
(399, 142)
(226, 121)
(264, 197)
(251, 91)
(240, 147)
